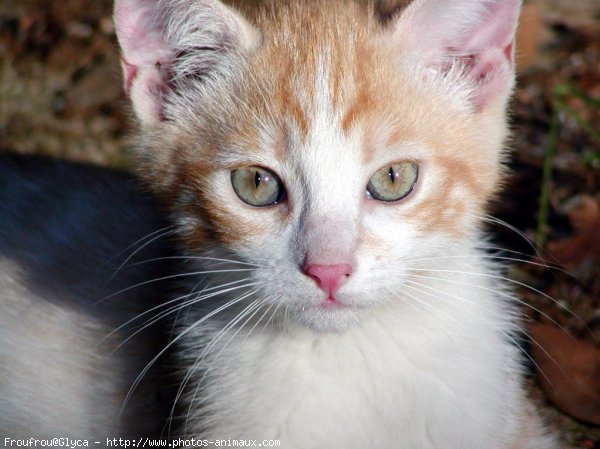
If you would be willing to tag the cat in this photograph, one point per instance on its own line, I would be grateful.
(325, 167)
(67, 268)
(338, 162)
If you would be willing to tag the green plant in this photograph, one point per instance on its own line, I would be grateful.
(559, 107)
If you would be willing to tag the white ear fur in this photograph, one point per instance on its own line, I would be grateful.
(163, 42)
(477, 35)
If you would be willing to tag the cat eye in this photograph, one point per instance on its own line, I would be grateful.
(257, 186)
(393, 182)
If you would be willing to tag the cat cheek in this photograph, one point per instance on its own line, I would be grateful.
(229, 228)
(378, 246)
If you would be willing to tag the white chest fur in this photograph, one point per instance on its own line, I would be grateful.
(428, 374)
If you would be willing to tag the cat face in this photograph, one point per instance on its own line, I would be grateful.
(327, 150)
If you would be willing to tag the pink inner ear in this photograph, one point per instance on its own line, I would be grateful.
(489, 46)
(129, 74)
(492, 73)
(146, 55)
(509, 53)
(497, 28)
(142, 40)
(478, 34)
(141, 33)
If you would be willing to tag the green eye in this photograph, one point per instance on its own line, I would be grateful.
(393, 182)
(257, 186)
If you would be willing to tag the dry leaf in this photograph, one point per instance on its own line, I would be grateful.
(584, 215)
(568, 371)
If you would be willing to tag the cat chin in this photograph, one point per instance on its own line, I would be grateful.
(328, 319)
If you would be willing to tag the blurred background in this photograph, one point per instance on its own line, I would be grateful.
(60, 95)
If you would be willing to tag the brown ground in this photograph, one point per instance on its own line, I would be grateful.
(60, 94)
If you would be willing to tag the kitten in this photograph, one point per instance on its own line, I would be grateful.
(326, 166)
(328, 169)
(67, 271)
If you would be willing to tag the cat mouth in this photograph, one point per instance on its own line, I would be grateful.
(331, 303)
(329, 314)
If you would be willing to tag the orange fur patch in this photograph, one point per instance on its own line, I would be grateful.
(369, 92)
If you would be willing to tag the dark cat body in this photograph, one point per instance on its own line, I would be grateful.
(74, 241)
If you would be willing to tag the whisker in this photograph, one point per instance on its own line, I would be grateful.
(174, 276)
(254, 307)
(191, 293)
(279, 303)
(167, 312)
(215, 340)
(257, 322)
(537, 261)
(488, 256)
(137, 242)
(171, 343)
(191, 371)
(141, 247)
(200, 358)
(451, 318)
(498, 292)
(511, 251)
(513, 281)
(252, 310)
(286, 318)
(173, 309)
(188, 258)
(506, 334)
(491, 219)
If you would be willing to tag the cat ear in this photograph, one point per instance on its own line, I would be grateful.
(163, 43)
(474, 36)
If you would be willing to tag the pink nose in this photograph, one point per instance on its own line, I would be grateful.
(328, 277)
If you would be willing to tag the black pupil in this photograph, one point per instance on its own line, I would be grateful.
(257, 179)
(392, 175)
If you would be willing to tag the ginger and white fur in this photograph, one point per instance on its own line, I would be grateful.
(423, 353)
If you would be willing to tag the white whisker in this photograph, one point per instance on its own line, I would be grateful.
(512, 281)
(491, 219)
(250, 312)
(141, 247)
(166, 229)
(279, 304)
(480, 318)
(257, 322)
(488, 257)
(174, 276)
(171, 310)
(482, 287)
(424, 303)
(171, 343)
(194, 258)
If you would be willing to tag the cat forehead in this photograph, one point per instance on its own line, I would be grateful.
(324, 79)
(328, 117)
(309, 123)
(330, 83)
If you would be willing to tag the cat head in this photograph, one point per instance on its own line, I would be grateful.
(318, 142)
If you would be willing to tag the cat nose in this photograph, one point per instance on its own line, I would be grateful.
(328, 277)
